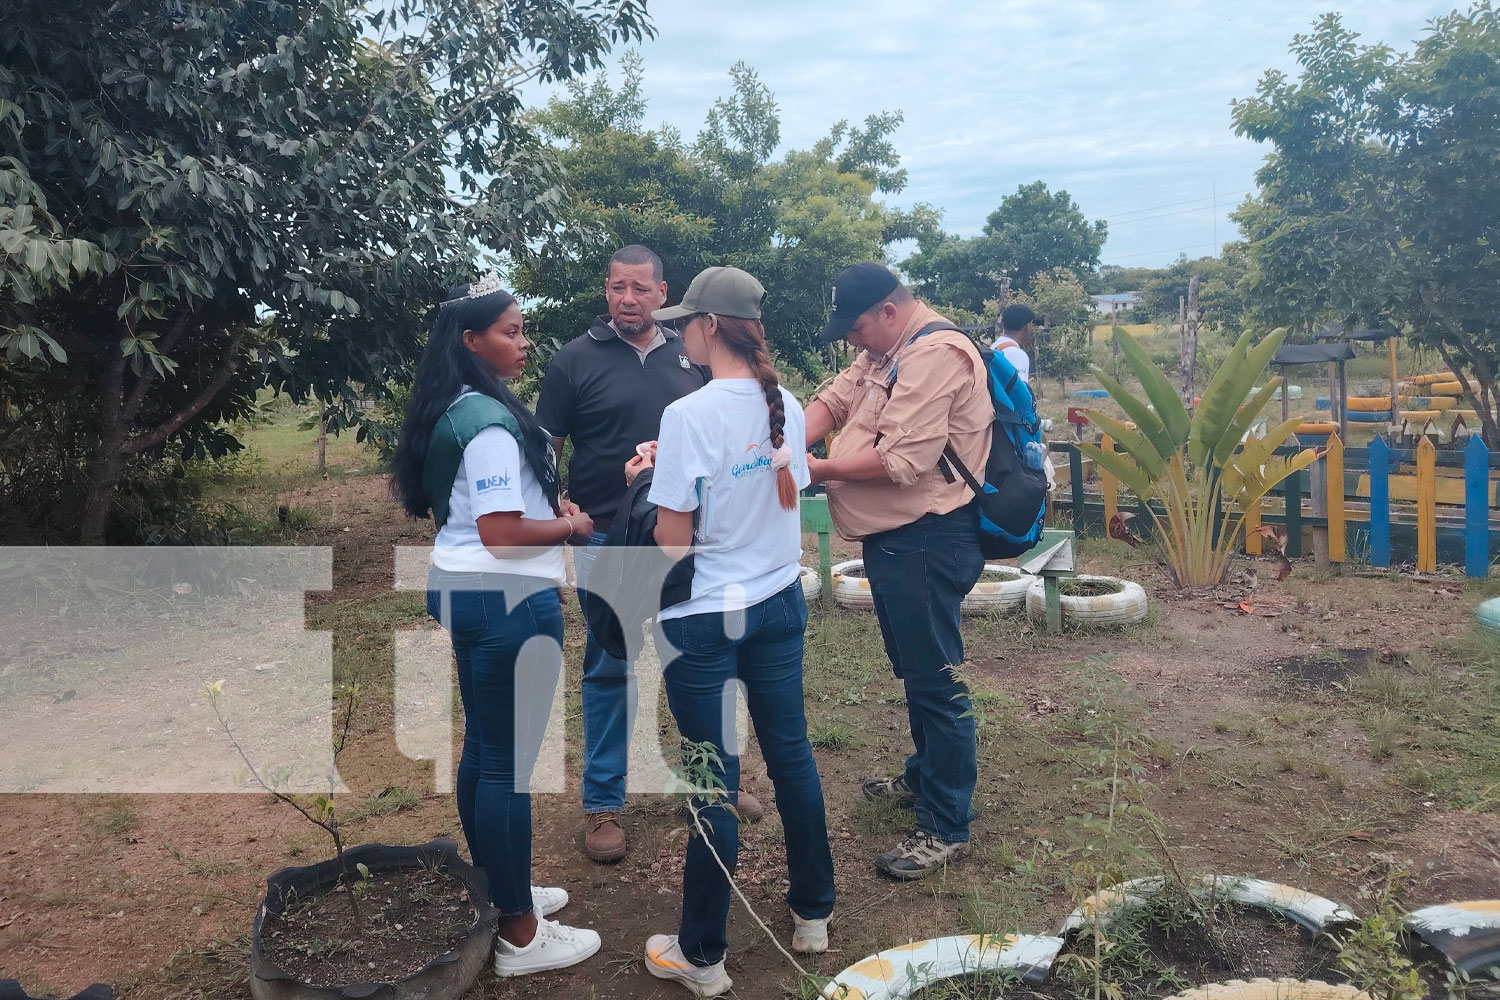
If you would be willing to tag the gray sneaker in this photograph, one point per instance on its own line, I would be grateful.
(918, 856)
(879, 789)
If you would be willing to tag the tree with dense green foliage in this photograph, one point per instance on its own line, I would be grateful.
(201, 198)
(1060, 339)
(1221, 289)
(1380, 199)
(793, 222)
(1033, 231)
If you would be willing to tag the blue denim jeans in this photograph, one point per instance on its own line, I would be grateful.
(760, 647)
(507, 694)
(609, 704)
(919, 574)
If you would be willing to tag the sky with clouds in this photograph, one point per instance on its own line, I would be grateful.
(1125, 105)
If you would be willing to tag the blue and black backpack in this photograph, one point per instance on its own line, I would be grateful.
(1013, 497)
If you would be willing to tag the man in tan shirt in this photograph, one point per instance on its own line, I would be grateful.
(917, 386)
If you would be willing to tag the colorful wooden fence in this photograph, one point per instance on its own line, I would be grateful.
(1419, 505)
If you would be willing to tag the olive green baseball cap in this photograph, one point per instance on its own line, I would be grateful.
(724, 291)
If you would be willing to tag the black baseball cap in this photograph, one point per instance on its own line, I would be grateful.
(859, 286)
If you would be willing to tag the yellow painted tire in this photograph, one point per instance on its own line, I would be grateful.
(811, 585)
(1430, 379)
(850, 588)
(1446, 388)
(1005, 594)
(1369, 404)
(1470, 416)
(1272, 989)
(1420, 416)
(1428, 402)
(1318, 427)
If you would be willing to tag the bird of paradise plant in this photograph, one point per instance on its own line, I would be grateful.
(1202, 468)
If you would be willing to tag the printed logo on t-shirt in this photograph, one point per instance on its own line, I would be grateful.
(683, 361)
(492, 483)
(748, 466)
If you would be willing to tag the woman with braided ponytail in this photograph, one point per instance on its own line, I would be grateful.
(726, 470)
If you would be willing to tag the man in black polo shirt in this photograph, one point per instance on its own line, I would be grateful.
(606, 390)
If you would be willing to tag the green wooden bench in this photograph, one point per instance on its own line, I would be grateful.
(815, 517)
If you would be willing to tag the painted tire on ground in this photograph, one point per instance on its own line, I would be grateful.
(1271, 989)
(1431, 378)
(1126, 607)
(1369, 417)
(1310, 911)
(1091, 393)
(1488, 615)
(1317, 427)
(1429, 402)
(811, 585)
(850, 588)
(1467, 932)
(1454, 388)
(1420, 416)
(1323, 403)
(897, 973)
(998, 595)
(1369, 404)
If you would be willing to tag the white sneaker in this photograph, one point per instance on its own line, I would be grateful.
(545, 902)
(554, 947)
(665, 960)
(810, 937)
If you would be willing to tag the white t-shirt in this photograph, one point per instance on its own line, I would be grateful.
(493, 477)
(1017, 357)
(713, 455)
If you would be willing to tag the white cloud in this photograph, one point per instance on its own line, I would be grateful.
(1126, 105)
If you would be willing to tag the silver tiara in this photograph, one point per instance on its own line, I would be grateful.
(486, 284)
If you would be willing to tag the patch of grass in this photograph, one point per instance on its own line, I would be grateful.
(828, 735)
(385, 803)
(881, 817)
(215, 867)
(115, 816)
(1385, 731)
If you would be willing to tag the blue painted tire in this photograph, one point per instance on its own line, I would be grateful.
(1323, 403)
(1489, 615)
(1369, 416)
(1091, 393)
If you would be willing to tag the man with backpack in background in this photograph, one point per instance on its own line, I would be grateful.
(1015, 338)
(915, 399)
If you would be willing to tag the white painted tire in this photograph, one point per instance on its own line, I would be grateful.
(1006, 594)
(1311, 911)
(897, 973)
(850, 588)
(1271, 989)
(1126, 607)
(811, 585)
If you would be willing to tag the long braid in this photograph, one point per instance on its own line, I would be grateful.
(748, 338)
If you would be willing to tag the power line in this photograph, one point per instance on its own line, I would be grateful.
(1175, 204)
(1164, 215)
(1147, 253)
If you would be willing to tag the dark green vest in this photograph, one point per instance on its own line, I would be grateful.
(451, 434)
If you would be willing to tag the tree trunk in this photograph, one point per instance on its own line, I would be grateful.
(109, 460)
(322, 438)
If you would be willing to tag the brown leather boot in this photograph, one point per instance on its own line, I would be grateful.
(751, 810)
(603, 837)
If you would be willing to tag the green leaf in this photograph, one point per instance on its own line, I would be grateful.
(1132, 440)
(1174, 415)
(1140, 414)
(1123, 467)
(1244, 420)
(36, 257)
(1230, 386)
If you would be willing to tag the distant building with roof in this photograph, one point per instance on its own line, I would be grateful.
(1115, 302)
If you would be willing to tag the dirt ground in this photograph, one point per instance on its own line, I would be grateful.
(1326, 730)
